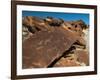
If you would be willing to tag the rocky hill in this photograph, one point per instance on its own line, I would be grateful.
(52, 42)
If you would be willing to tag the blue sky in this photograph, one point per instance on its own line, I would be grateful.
(64, 16)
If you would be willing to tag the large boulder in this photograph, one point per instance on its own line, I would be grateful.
(41, 49)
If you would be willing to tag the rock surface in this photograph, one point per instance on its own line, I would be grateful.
(44, 47)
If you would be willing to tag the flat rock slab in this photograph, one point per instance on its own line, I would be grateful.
(43, 47)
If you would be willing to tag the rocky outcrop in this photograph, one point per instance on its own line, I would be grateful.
(52, 42)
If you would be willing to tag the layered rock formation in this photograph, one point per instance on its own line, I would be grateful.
(51, 42)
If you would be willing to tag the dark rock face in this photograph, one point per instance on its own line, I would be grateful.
(45, 46)
(53, 42)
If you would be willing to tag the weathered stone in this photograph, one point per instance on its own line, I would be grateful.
(35, 24)
(83, 56)
(67, 62)
(77, 58)
(54, 22)
(81, 41)
(41, 49)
